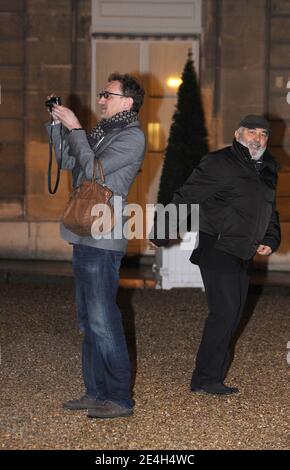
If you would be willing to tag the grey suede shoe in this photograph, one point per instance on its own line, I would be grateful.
(85, 402)
(109, 409)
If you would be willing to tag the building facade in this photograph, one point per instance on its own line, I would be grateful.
(241, 51)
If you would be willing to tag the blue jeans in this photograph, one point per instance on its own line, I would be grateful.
(105, 360)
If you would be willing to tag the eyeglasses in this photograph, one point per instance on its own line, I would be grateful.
(106, 94)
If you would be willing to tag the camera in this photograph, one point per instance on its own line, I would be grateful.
(52, 101)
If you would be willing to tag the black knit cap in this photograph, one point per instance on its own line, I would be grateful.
(253, 122)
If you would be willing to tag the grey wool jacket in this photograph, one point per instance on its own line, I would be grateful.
(121, 153)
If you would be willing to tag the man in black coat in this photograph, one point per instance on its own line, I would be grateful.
(235, 189)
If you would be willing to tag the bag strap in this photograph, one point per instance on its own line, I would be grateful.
(59, 162)
(98, 169)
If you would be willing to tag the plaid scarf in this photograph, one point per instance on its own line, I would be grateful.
(121, 119)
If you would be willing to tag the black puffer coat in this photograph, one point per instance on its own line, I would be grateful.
(237, 202)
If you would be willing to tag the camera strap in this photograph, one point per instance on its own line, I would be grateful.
(59, 161)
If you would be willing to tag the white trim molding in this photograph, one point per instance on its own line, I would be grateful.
(163, 17)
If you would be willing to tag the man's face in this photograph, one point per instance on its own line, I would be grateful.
(114, 104)
(254, 139)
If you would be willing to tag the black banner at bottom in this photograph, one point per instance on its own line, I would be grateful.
(127, 458)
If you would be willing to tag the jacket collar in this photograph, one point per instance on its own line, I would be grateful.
(270, 162)
(243, 152)
(110, 136)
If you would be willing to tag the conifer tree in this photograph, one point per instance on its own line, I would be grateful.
(187, 142)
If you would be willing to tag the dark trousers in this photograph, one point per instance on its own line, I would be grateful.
(226, 291)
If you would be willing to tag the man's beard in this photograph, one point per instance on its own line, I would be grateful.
(255, 149)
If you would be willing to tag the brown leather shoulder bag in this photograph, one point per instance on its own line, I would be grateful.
(89, 211)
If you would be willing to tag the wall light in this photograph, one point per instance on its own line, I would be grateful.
(154, 136)
(173, 82)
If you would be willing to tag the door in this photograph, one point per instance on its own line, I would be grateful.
(159, 65)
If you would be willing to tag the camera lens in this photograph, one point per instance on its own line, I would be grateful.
(52, 101)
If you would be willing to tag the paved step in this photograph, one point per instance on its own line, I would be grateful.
(131, 275)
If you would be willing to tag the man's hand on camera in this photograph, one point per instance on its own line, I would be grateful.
(66, 117)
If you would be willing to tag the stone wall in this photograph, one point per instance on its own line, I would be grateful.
(233, 58)
(12, 80)
(57, 60)
(44, 47)
(245, 69)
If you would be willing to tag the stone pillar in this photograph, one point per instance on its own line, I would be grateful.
(44, 48)
(208, 68)
(233, 61)
(242, 62)
(12, 82)
(50, 43)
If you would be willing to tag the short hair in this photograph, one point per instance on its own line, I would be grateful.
(130, 86)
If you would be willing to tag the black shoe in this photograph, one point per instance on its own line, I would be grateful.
(215, 389)
(109, 409)
(86, 402)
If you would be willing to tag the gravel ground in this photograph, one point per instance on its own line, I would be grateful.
(40, 368)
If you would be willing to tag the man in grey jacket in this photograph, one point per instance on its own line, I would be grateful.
(120, 144)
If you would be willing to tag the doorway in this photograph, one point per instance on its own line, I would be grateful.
(158, 63)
